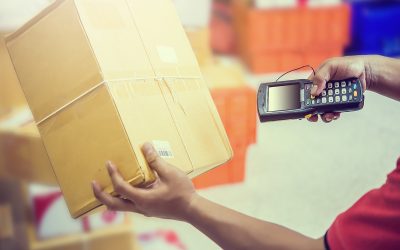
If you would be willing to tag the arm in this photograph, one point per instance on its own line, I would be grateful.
(173, 196)
(377, 73)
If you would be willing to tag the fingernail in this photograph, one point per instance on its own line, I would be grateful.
(110, 167)
(314, 90)
(147, 148)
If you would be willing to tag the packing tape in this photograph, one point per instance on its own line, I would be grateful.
(101, 84)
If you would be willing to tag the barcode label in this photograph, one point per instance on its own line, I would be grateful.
(163, 148)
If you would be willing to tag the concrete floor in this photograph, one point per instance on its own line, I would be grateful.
(302, 175)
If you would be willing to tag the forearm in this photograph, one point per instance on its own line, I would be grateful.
(383, 76)
(233, 230)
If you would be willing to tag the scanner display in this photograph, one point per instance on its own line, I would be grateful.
(284, 97)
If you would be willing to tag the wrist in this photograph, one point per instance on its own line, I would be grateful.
(370, 67)
(192, 205)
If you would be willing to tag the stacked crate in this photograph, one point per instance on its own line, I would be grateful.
(276, 40)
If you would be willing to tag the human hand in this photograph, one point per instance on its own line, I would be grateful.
(169, 197)
(338, 69)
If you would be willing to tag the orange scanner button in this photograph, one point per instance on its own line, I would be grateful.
(355, 93)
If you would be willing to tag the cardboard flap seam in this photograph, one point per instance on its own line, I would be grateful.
(100, 84)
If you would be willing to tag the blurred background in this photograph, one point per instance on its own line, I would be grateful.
(293, 173)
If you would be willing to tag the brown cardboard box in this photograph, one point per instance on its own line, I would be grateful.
(219, 74)
(22, 152)
(200, 40)
(11, 95)
(118, 237)
(103, 77)
(13, 234)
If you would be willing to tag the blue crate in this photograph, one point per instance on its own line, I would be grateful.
(375, 28)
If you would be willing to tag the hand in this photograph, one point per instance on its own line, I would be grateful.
(338, 69)
(169, 197)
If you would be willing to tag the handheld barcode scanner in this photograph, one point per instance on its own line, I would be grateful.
(292, 99)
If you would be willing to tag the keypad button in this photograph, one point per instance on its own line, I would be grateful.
(344, 91)
(330, 92)
(344, 84)
(350, 90)
(350, 97)
(323, 92)
(337, 84)
(313, 102)
(337, 99)
(307, 86)
(337, 92)
(323, 100)
(308, 102)
(344, 98)
(319, 101)
(330, 99)
(354, 86)
(355, 93)
(349, 84)
(330, 85)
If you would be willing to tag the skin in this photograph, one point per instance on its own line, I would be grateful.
(173, 196)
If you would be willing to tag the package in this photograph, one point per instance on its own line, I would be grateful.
(122, 74)
(22, 151)
(11, 95)
(223, 74)
(52, 219)
(116, 237)
(13, 235)
(200, 40)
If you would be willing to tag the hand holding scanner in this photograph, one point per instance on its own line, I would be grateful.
(293, 100)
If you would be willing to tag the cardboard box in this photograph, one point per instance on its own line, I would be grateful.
(22, 151)
(200, 40)
(104, 77)
(11, 94)
(221, 74)
(117, 237)
(13, 235)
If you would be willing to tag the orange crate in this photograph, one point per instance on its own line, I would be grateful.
(281, 39)
(231, 172)
(237, 109)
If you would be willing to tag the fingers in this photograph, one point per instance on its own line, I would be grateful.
(112, 203)
(155, 161)
(322, 75)
(124, 188)
(313, 118)
(329, 117)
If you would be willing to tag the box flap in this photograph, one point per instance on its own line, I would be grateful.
(168, 48)
(114, 38)
(64, 59)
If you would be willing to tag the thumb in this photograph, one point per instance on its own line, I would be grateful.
(155, 161)
(321, 77)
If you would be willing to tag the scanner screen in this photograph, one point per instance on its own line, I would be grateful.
(284, 98)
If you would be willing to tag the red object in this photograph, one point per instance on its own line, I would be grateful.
(273, 40)
(237, 109)
(373, 222)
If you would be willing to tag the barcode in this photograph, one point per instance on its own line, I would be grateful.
(163, 148)
(165, 153)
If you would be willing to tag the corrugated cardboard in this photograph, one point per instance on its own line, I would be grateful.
(117, 237)
(22, 151)
(13, 218)
(200, 40)
(103, 77)
(11, 95)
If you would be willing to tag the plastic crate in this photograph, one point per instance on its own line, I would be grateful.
(375, 28)
(237, 109)
(271, 40)
(229, 173)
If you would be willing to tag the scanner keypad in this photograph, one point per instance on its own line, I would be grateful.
(335, 92)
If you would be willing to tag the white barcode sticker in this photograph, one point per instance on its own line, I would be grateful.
(163, 149)
(167, 54)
